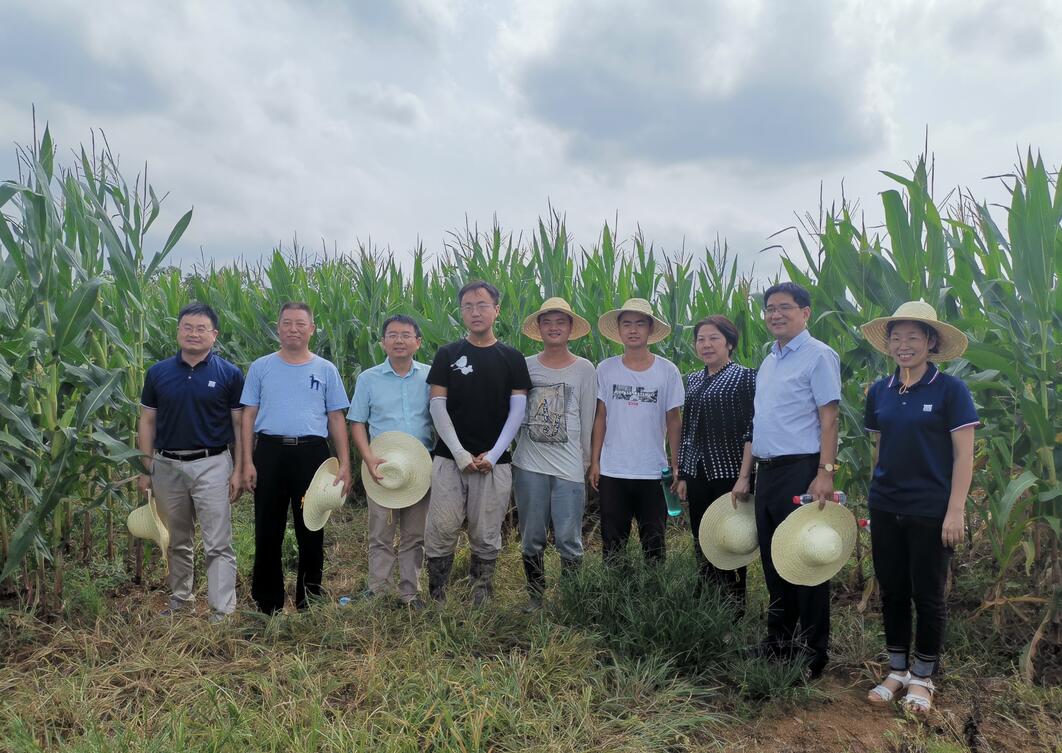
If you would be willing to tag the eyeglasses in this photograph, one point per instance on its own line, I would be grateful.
(785, 308)
(479, 308)
(396, 336)
(200, 330)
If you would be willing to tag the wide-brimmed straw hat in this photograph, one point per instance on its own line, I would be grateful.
(728, 535)
(322, 496)
(406, 470)
(812, 545)
(608, 323)
(951, 342)
(144, 523)
(580, 327)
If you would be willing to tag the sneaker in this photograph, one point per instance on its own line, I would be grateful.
(416, 604)
(173, 611)
(216, 618)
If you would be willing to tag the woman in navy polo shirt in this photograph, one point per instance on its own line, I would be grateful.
(924, 420)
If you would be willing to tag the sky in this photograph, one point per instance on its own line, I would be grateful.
(397, 122)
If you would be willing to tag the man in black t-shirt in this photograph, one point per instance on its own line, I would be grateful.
(478, 395)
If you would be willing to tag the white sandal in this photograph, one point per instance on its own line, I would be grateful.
(885, 694)
(916, 703)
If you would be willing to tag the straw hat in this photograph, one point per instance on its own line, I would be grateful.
(406, 470)
(812, 545)
(144, 523)
(951, 342)
(580, 327)
(322, 496)
(608, 323)
(727, 535)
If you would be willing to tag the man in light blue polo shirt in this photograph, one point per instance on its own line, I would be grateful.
(794, 443)
(393, 396)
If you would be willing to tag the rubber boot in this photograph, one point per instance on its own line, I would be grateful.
(534, 570)
(483, 583)
(438, 576)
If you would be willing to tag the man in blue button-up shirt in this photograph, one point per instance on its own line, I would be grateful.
(393, 396)
(190, 414)
(794, 442)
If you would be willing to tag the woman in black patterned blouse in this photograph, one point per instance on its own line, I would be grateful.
(715, 456)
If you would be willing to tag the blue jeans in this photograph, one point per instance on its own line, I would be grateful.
(540, 499)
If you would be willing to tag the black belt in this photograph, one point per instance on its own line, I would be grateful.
(780, 460)
(206, 452)
(290, 441)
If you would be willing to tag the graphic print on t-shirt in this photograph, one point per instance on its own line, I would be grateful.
(462, 365)
(546, 411)
(633, 394)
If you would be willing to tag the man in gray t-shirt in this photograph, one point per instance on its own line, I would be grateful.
(553, 446)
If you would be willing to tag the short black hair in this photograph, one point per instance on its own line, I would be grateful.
(295, 306)
(799, 293)
(195, 308)
(479, 285)
(726, 327)
(400, 319)
(927, 330)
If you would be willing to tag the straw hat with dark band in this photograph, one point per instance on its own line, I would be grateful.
(406, 470)
(812, 545)
(951, 342)
(608, 323)
(322, 496)
(144, 523)
(728, 535)
(580, 327)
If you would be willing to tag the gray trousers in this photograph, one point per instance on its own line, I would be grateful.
(481, 499)
(409, 522)
(190, 491)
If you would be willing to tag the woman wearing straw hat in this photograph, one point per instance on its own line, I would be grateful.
(639, 399)
(924, 424)
(553, 447)
(715, 456)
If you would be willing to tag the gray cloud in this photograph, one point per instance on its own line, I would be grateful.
(1008, 31)
(624, 82)
(47, 60)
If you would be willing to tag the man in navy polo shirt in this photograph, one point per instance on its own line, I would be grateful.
(190, 414)
(794, 443)
(294, 402)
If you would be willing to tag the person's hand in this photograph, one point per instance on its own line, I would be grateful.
(952, 531)
(594, 475)
(143, 483)
(674, 481)
(740, 492)
(373, 463)
(466, 462)
(483, 464)
(343, 477)
(680, 489)
(821, 489)
(250, 477)
(235, 485)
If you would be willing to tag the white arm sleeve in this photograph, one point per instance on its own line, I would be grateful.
(444, 427)
(517, 406)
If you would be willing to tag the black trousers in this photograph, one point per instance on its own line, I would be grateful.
(626, 499)
(701, 493)
(789, 604)
(911, 563)
(284, 474)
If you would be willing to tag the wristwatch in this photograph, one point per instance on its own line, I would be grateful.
(828, 467)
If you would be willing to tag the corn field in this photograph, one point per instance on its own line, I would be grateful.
(87, 302)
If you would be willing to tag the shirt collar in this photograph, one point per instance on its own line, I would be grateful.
(932, 372)
(204, 362)
(389, 369)
(792, 345)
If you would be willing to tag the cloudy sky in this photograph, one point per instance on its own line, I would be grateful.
(395, 120)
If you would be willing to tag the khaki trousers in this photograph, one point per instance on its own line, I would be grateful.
(409, 523)
(480, 499)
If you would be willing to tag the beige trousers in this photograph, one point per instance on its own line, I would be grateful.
(383, 523)
(479, 499)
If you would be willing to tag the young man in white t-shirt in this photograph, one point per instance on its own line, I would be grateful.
(639, 403)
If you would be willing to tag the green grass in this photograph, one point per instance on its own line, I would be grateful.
(618, 661)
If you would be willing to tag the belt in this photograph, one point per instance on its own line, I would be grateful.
(184, 455)
(780, 460)
(290, 441)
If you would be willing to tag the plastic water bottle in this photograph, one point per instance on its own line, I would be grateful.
(806, 499)
(864, 523)
(344, 601)
(674, 507)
